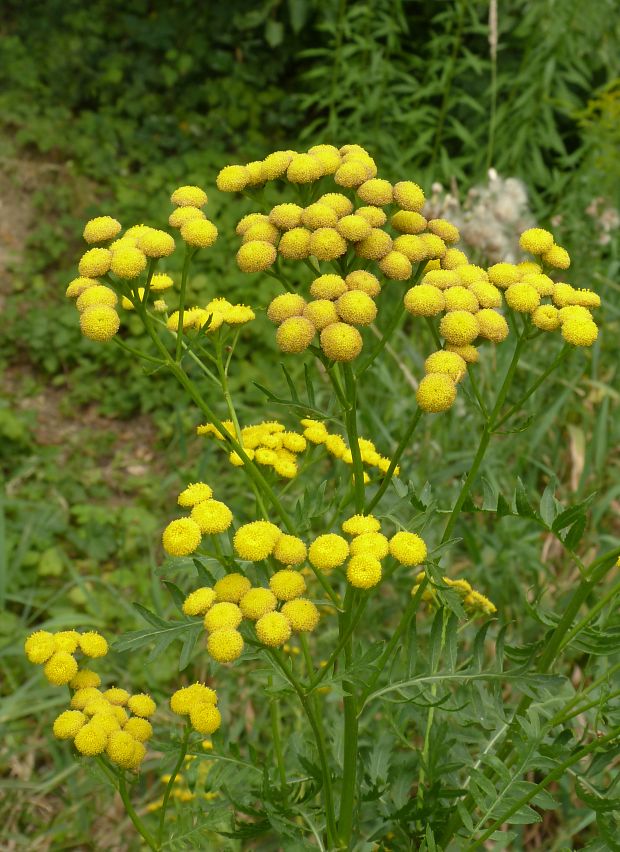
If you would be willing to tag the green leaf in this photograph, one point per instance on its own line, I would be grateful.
(570, 515)
(575, 533)
(522, 503)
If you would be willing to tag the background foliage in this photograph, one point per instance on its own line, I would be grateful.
(106, 108)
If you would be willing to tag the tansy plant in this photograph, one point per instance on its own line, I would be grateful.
(289, 590)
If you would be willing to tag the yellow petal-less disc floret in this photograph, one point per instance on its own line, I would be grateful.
(328, 551)
(450, 363)
(321, 313)
(199, 601)
(302, 615)
(60, 668)
(287, 585)
(189, 196)
(375, 216)
(295, 244)
(85, 678)
(522, 297)
(396, 266)
(424, 300)
(543, 285)
(328, 286)
(120, 748)
(360, 524)
(257, 602)
(504, 274)
(557, 257)
(262, 231)
(90, 740)
(319, 215)
(461, 299)
(328, 156)
(468, 353)
(536, 240)
(95, 296)
(304, 168)
(68, 724)
(356, 308)
(408, 195)
(40, 646)
(94, 262)
(286, 305)
(256, 541)
(128, 262)
(364, 571)
(289, 549)
(116, 695)
(195, 492)
(286, 216)
(459, 327)
(247, 221)
(546, 317)
(364, 281)
(435, 246)
(487, 294)
(199, 233)
(408, 548)
(205, 718)
(93, 644)
(492, 324)
(225, 645)
(442, 278)
(256, 256)
(353, 228)
(338, 202)
(273, 629)
(579, 332)
(141, 705)
(376, 191)
(223, 614)
(83, 696)
(140, 729)
(327, 244)
(212, 516)
(276, 164)
(76, 287)
(436, 393)
(67, 640)
(375, 246)
(448, 232)
(232, 588)
(374, 543)
(295, 334)
(341, 342)
(101, 229)
(181, 537)
(156, 243)
(232, 179)
(453, 258)
(351, 174)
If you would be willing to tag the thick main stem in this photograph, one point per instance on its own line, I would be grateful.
(170, 784)
(349, 769)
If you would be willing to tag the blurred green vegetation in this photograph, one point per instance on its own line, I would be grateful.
(106, 108)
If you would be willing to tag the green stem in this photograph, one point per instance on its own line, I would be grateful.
(189, 252)
(341, 643)
(170, 784)
(349, 769)
(431, 714)
(133, 816)
(274, 712)
(400, 449)
(350, 414)
(592, 613)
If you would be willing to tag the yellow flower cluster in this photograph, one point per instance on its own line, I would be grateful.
(277, 611)
(268, 444)
(473, 602)
(199, 703)
(97, 721)
(214, 314)
(317, 433)
(207, 517)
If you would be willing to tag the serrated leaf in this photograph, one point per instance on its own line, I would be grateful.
(570, 515)
(575, 533)
(522, 503)
(149, 616)
(177, 595)
(548, 503)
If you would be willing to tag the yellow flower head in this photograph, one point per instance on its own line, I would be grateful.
(459, 327)
(286, 216)
(360, 524)
(328, 156)
(196, 492)
(156, 243)
(409, 196)
(363, 281)
(327, 244)
(328, 551)
(256, 541)
(304, 168)
(273, 629)
(276, 164)
(356, 308)
(351, 174)
(232, 179)
(557, 257)
(93, 644)
(302, 615)
(536, 240)
(321, 313)
(375, 246)
(444, 229)
(212, 517)
(579, 332)
(223, 614)
(199, 601)
(408, 548)
(319, 215)
(181, 537)
(225, 645)
(286, 305)
(76, 287)
(492, 324)
(91, 740)
(504, 274)
(487, 294)
(295, 244)
(424, 300)
(232, 588)
(94, 262)
(364, 571)
(97, 295)
(453, 258)
(189, 196)
(376, 192)
(255, 256)
(257, 602)
(353, 227)
(116, 696)
(205, 718)
(468, 353)
(66, 640)
(120, 748)
(435, 246)
(442, 278)
(85, 678)
(341, 342)
(295, 334)
(262, 231)
(450, 363)
(60, 668)
(543, 285)
(287, 585)
(101, 229)
(546, 317)
(436, 393)
(141, 705)
(128, 262)
(522, 297)
(374, 543)
(338, 202)
(199, 233)
(461, 299)
(68, 724)
(408, 223)
(328, 286)
(289, 549)
(396, 265)
(414, 248)
(40, 646)
(246, 222)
